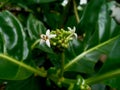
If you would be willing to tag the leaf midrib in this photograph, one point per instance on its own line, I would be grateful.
(80, 56)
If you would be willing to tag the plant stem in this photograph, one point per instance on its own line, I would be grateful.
(102, 77)
(29, 68)
(35, 43)
(96, 79)
(75, 11)
(62, 64)
(69, 81)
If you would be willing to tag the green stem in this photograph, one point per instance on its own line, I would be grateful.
(38, 72)
(70, 36)
(95, 79)
(69, 81)
(88, 51)
(102, 77)
(35, 43)
(62, 64)
(75, 11)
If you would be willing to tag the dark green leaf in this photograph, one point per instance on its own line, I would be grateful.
(111, 64)
(1, 43)
(106, 29)
(14, 44)
(53, 19)
(98, 87)
(45, 48)
(90, 15)
(29, 2)
(28, 84)
(113, 58)
(46, 1)
(35, 28)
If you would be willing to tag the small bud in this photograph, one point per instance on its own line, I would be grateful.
(60, 41)
(54, 44)
(66, 41)
(66, 46)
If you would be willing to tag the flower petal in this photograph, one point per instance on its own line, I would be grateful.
(75, 35)
(74, 28)
(42, 41)
(69, 28)
(52, 36)
(48, 32)
(48, 42)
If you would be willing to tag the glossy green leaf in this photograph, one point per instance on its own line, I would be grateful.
(113, 58)
(86, 61)
(85, 65)
(14, 44)
(35, 28)
(100, 42)
(111, 64)
(90, 17)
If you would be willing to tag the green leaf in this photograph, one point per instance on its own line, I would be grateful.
(1, 43)
(110, 71)
(71, 21)
(13, 43)
(86, 61)
(100, 42)
(13, 36)
(35, 28)
(112, 64)
(113, 58)
(102, 28)
(27, 84)
(46, 1)
(91, 22)
(45, 48)
(53, 19)
(85, 65)
(29, 2)
(113, 82)
(98, 87)
(90, 16)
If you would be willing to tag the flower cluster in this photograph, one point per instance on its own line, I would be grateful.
(58, 38)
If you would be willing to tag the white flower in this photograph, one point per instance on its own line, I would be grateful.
(73, 31)
(116, 13)
(45, 38)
